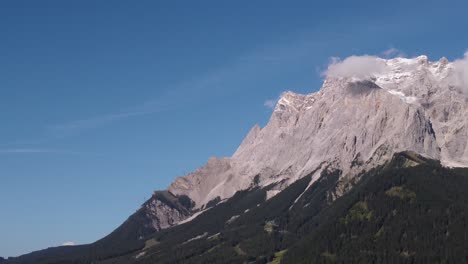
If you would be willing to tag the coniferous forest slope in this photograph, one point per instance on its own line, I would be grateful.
(409, 210)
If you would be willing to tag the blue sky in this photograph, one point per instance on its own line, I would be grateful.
(103, 102)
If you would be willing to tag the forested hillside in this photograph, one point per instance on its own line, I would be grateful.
(412, 210)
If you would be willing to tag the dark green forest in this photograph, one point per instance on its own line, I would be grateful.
(411, 210)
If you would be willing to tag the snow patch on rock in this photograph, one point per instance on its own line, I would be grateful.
(196, 238)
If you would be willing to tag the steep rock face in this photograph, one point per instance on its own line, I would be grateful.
(352, 124)
(161, 211)
(434, 86)
(162, 215)
(345, 122)
(208, 182)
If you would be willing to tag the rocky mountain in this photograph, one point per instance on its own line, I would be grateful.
(314, 151)
(408, 210)
(352, 124)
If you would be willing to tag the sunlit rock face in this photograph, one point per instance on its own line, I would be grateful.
(353, 123)
(162, 215)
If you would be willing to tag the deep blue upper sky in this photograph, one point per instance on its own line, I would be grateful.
(103, 102)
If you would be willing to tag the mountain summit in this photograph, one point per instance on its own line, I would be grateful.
(368, 110)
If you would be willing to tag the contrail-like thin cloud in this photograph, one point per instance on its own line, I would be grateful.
(215, 83)
(43, 151)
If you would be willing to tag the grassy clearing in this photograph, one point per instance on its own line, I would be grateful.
(401, 192)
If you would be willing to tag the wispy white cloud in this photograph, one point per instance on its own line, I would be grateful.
(42, 151)
(21, 143)
(171, 99)
(355, 66)
(368, 66)
(69, 243)
(270, 104)
(26, 151)
(361, 66)
(194, 91)
(461, 73)
(78, 126)
(392, 53)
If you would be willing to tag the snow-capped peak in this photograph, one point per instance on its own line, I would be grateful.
(356, 121)
(401, 74)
